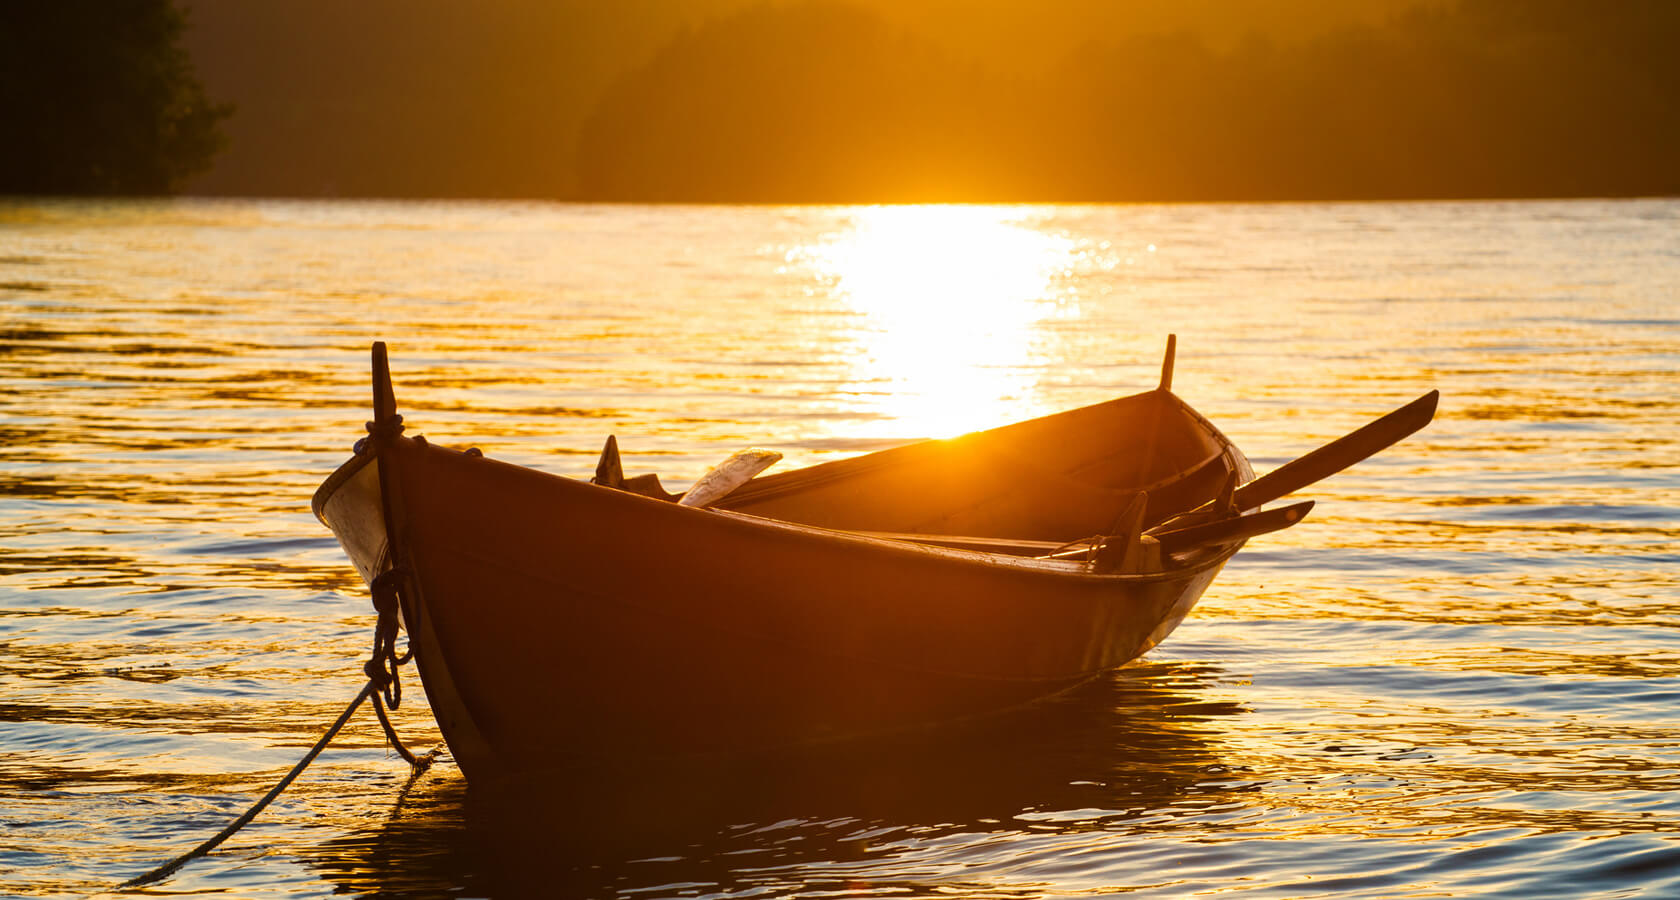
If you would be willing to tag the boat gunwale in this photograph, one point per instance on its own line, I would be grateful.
(1062, 570)
(345, 471)
(835, 470)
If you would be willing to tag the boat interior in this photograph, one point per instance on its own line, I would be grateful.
(1061, 485)
(1059, 478)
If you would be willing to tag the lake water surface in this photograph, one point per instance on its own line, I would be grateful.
(1459, 677)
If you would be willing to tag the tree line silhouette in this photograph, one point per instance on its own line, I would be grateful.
(831, 101)
(99, 97)
(822, 102)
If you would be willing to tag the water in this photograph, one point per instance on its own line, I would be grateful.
(1458, 678)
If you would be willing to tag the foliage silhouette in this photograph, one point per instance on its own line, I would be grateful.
(926, 100)
(820, 102)
(98, 97)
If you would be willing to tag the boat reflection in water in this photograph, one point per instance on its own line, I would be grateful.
(879, 816)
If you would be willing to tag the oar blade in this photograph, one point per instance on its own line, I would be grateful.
(1339, 454)
(728, 475)
(610, 470)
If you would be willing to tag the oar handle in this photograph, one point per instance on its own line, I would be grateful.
(1226, 531)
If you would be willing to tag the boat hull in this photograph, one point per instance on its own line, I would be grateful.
(558, 623)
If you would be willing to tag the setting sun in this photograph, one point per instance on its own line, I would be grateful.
(953, 296)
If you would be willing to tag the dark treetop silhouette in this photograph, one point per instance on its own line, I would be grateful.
(99, 97)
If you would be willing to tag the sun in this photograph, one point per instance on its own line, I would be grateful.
(951, 299)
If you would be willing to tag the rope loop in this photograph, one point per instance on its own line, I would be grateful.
(381, 667)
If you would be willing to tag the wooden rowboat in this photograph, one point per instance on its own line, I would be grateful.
(564, 623)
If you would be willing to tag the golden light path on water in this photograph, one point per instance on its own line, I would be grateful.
(953, 297)
(1456, 678)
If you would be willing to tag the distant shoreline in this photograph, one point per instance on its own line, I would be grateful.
(441, 198)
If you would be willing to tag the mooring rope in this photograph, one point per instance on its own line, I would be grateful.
(420, 763)
(385, 688)
(381, 668)
(168, 868)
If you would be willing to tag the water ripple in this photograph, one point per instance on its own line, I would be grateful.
(1456, 678)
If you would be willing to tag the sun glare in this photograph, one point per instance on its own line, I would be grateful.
(951, 298)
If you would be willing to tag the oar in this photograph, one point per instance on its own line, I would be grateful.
(1179, 540)
(1219, 531)
(1239, 528)
(1010, 546)
(728, 475)
(1325, 461)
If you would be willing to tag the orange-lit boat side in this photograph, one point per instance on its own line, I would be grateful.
(559, 622)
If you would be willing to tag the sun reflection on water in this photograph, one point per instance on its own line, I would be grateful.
(952, 300)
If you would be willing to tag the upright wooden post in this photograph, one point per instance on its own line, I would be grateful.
(1167, 364)
(384, 398)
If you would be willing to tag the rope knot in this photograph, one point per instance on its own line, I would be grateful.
(377, 673)
(384, 589)
(387, 427)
